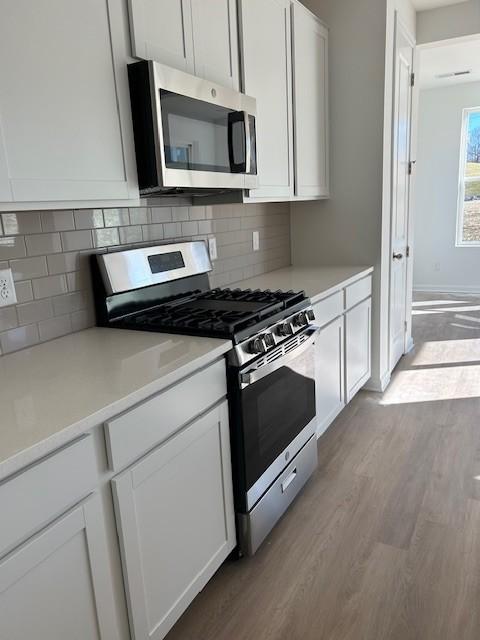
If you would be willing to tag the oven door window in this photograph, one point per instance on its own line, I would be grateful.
(275, 409)
(199, 136)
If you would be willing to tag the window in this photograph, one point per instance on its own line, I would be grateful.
(468, 218)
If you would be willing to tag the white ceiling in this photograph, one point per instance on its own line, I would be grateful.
(451, 58)
(423, 5)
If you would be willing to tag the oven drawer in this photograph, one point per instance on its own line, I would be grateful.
(138, 430)
(358, 291)
(256, 525)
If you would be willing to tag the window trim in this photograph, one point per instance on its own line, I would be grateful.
(459, 242)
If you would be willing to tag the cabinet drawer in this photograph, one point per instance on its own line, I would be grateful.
(137, 431)
(328, 309)
(32, 498)
(358, 291)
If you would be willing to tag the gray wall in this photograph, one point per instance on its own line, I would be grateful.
(438, 264)
(48, 253)
(452, 21)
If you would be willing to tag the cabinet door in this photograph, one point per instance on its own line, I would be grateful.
(57, 584)
(310, 82)
(266, 72)
(329, 373)
(161, 30)
(65, 130)
(358, 347)
(175, 516)
(215, 41)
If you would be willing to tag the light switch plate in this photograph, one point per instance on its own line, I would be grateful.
(7, 288)
(212, 248)
(256, 240)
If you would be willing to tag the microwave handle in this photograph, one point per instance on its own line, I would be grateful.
(255, 374)
(234, 118)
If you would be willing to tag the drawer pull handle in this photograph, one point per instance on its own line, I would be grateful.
(286, 483)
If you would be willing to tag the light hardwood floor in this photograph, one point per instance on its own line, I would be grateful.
(384, 542)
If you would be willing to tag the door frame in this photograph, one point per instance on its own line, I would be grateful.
(408, 340)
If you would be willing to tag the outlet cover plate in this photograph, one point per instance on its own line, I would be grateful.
(256, 240)
(7, 288)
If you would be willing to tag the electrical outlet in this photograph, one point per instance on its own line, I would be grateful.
(212, 248)
(256, 240)
(7, 288)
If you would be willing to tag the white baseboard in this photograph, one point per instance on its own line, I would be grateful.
(446, 288)
(378, 384)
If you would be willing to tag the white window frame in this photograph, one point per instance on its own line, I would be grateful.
(462, 179)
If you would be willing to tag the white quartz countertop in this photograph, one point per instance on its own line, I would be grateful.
(317, 282)
(55, 391)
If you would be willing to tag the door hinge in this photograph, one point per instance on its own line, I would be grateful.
(412, 80)
(407, 253)
(406, 326)
(410, 166)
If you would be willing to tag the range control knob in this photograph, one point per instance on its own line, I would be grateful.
(285, 329)
(310, 314)
(269, 340)
(301, 320)
(257, 346)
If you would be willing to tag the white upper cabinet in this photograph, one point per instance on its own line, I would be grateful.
(196, 36)
(310, 99)
(215, 41)
(65, 129)
(266, 71)
(161, 30)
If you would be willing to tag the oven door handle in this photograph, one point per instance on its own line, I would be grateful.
(254, 375)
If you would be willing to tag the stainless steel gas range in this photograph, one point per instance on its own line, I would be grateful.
(270, 369)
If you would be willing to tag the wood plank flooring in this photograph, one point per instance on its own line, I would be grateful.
(384, 541)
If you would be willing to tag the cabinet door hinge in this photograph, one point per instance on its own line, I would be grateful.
(408, 252)
(412, 80)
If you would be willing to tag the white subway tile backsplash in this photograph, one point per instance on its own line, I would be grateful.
(105, 237)
(130, 235)
(55, 327)
(41, 244)
(88, 218)
(161, 214)
(24, 291)
(12, 247)
(69, 303)
(8, 318)
(51, 262)
(49, 286)
(116, 217)
(21, 223)
(19, 338)
(57, 220)
(27, 268)
(77, 240)
(35, 311)
(63, 262)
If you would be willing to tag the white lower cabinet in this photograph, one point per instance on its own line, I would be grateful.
(329, 372)
(358, 346)
(57, 585)
(175, 517)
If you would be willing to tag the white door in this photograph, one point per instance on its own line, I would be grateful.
(358, 346)
(329, 373)
(161, 30)
(57, 585)
(310, 93)
(65, 128)
(215, 41)
(402, 123)
(175, 516)
(266, 70)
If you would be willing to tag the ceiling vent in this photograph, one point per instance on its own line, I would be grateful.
(453, 74)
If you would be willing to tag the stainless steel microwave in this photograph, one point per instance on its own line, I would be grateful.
(190, 134)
